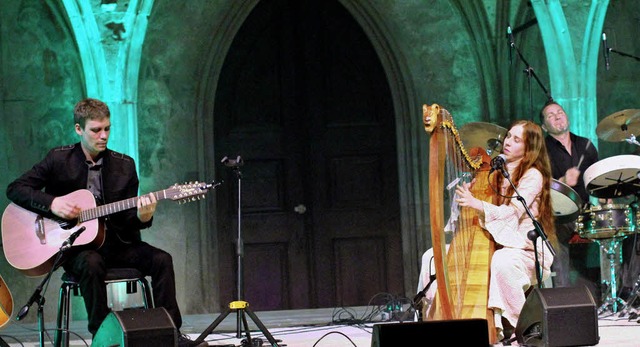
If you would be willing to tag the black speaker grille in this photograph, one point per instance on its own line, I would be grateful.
(137, 328)
(558, 317)
(464, 332)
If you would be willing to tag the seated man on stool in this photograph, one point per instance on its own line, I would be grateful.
(111, 177)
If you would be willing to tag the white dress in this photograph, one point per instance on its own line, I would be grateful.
(513, 269)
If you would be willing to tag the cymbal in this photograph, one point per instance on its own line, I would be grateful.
(484, 135)
(619, 126)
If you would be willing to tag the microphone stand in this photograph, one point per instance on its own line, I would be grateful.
(530, 73)
(418, 299)
(538, 231)
(623, 54)
(36, 296)
(239, 306)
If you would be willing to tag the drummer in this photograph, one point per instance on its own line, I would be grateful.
(570, 155)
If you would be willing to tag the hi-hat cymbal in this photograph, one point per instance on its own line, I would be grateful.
(485, 135)
(619, 126)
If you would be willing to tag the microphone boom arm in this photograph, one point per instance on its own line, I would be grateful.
(624, 54)
(531, 73)
(37, 294)
(538, 227)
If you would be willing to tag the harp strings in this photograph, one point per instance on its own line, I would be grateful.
(458, 228)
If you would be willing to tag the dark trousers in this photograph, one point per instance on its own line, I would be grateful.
(571, 269)
(631, 262)
(90, 267)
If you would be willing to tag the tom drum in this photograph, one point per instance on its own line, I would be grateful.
(565, 202)
(613, 177)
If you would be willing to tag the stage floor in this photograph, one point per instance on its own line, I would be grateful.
(306, 328)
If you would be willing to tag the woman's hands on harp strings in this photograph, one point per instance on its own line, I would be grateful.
(464, 197)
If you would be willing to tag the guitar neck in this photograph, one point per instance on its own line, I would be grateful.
(115, 207)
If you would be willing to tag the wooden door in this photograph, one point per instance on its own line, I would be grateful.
(303, 100)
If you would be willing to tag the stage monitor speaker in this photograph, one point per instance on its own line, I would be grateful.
(558, 317)
(137, 328)
(463, 332)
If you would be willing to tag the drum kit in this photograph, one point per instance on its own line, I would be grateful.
(608, 225)
(610, 178)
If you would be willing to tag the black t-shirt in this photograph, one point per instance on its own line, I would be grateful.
(583, 152)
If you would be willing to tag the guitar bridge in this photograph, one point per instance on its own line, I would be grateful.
(39, 227)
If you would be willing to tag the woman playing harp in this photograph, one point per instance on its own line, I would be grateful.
(513, 269)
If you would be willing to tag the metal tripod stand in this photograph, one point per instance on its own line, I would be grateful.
(633, 297)
(240, 307)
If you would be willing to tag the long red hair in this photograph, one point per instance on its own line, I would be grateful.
(535, 156)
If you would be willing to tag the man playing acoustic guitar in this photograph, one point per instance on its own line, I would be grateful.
(47, 189)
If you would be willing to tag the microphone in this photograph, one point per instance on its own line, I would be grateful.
(423, 293)
(23, 312)
(511, 44)
(605, 51)
(25, 309)
(72, 238)
(497, 163)
(232, 162)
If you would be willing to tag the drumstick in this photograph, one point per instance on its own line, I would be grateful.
(582, 156)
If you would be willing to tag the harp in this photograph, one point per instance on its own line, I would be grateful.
(463, 270)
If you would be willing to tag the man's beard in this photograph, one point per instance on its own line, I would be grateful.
(559, 131)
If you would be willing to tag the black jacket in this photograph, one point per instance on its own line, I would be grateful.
(64, 170)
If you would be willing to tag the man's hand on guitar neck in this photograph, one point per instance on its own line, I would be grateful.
(65, 208)
(146, 207)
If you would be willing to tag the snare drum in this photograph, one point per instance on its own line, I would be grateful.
(608, 221)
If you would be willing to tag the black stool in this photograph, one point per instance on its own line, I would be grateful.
(131, 276)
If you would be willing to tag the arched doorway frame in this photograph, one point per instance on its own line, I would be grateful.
(412, 152)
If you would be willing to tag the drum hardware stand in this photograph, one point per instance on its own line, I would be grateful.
(494, 144)
(612, 250)
(239, 306)
(633, 296)
(632, 140)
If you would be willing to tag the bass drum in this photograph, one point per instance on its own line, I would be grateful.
(608, 221)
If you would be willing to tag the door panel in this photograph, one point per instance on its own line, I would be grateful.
(302, 98)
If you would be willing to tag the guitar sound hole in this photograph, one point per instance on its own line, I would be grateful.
(67, 224)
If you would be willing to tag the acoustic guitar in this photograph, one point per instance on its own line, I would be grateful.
(31, 241)
(6, 303)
